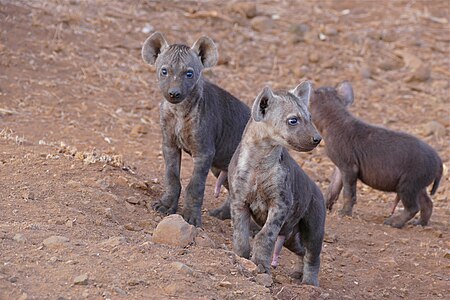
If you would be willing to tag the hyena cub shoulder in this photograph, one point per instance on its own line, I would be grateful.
(266, 184)
(196, 116)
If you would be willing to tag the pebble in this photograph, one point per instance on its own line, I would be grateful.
(138, 130)
(225, 284)
(133, 200)
(203, 240)
(175, 231)
(113, 241)
(24, 296)
(420, 74)
(182, 268)
(262, 24)
(247, 9)
(264, 279)
(130, 207)
(247, 264)
(435, 128)
(314, 57)
(81, 279)
(119, 291)
(55, 241)
(20, 238)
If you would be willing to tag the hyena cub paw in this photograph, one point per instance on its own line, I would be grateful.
(394, 221)
(162, 208)
(221, 213)
(193, 216)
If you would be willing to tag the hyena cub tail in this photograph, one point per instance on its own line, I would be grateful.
(437, 180)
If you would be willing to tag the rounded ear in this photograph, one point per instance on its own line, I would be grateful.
(303, 91)
(153, 46)
(205, 48)
(345, 91)
(259, 108)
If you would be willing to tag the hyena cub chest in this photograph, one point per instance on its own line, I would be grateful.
(266, 185)
(184, 130)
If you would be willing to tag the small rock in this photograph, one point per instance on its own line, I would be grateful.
(225, 284)
(24, 296)
(175, 231)
(301, 72)
(81, 279)
(130, 207)
(173, 288)
(247, 264)
(113, 242)
(122, 181)
(133, 200)
(314, 57)
(69, 223)
(447, 254)
(13, 279)
(261, 24)
(182, 268)
(138, 130)
(365, 71)
(108, 213)
(330, 31)
(147, 28)
(27, 195)
(390, 63)
(330, 238)
(264, 279)
(420, 74)
(203, 240)
(132, 227)
(435, 128)
(247, 9)
(56, 241)
(119, 291)
(389, 36)
(19, 238)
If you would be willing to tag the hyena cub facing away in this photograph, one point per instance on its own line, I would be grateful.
(195, 116)
(266, 184)
(383, 159)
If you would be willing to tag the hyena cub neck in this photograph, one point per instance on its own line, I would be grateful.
(267, 185)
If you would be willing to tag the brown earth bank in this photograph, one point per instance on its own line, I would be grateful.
(80, 154)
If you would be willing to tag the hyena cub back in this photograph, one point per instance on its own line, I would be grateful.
(196, 116)
(384, 159)
(266, 184)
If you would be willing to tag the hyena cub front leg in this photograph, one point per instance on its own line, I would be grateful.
(264, 242)
(168, 204)
(195, 190)
(241, 223)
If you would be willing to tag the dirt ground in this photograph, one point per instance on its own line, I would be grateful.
(80, 153)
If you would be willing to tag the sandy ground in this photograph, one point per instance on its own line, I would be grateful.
(80, 153)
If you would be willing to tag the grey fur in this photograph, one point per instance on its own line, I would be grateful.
(266, 184)
(196, 116)
(383, 159)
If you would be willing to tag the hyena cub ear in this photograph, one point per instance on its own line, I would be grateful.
(262, 102)
(153, 46)
(345, 92)
(207, 51)
(303, 91)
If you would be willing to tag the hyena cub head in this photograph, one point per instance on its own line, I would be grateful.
(285, 117)
(178, 67)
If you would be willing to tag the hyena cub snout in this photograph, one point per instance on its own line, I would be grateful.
(290, 122)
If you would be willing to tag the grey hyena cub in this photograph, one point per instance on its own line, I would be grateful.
(266, 183)
(195, 116)
(383, 159)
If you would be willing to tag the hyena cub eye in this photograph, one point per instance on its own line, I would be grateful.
(189, 73)
(293, 121)
(164, 72)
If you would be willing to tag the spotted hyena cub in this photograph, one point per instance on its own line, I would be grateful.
(384, 159)
(196, 116)
(266, 184)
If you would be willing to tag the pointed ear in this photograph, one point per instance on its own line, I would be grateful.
(207, 51)
(153, 46)
(304, 91)
(345, 91)
(262, 102)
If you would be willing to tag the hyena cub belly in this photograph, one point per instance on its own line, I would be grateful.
(196, 116)
(266, 184)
